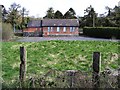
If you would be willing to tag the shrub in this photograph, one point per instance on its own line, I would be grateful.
(7, 31)
(102, 32)
(18, 34)
(61, 79)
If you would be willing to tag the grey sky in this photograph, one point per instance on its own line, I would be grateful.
(38, 8)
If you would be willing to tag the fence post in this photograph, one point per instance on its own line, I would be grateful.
(23, 63)
(96, 70)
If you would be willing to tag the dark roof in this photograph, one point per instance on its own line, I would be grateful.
(34, 23)
(60, 22)
(53, 22)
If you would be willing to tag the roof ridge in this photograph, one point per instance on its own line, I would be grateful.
(54, 22)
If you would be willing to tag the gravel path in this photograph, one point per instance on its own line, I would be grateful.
(38, 39)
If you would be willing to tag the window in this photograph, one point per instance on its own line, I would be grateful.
(64, 29)
(51, 29)
(48, 29)
(58, 29)
(71, 29)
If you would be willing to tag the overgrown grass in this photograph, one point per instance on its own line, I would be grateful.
(57, 55)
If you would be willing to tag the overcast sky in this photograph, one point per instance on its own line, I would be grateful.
(38, 8)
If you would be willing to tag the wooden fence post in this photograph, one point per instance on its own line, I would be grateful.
(22, 64)
(96, 70)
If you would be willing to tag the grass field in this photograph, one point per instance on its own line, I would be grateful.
(58, 55)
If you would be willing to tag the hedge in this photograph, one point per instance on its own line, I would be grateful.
(7, 31)
(18, 34)
(102, 32)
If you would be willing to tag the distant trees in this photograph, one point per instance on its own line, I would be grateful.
(112, 19)
(13, 16)
(13, 19)
(16, 16)
(117, 15)
(109, 10)
(25, 20)
(50, 13)
(90, 16)
(58, 15)
(70, 14)
(3, 13)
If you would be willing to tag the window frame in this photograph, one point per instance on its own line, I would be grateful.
(58, 29)
(49, 29)
(64, 29)
(71, 29)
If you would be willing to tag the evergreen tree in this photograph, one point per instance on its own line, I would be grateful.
(90, 16)
(70, 14)
(50, 13)
(13, 16)
(58, 15)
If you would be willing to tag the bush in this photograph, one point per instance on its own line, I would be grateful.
(63, 79)
(18, 34)
(102, 32)
(7, 31)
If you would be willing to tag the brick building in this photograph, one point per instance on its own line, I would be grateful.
(52, 27)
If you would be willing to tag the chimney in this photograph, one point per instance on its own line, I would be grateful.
(41, 23)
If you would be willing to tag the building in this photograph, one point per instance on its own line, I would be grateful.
(52, 27)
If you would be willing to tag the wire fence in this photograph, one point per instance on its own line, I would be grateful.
(67, 78)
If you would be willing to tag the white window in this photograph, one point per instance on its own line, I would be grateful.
(71, 29)
(51, 29)
(64, 29)
(58, 29)
(48, 29)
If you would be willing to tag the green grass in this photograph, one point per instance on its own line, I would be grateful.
(58, 55)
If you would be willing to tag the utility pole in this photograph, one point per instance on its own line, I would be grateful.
(23, 11)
